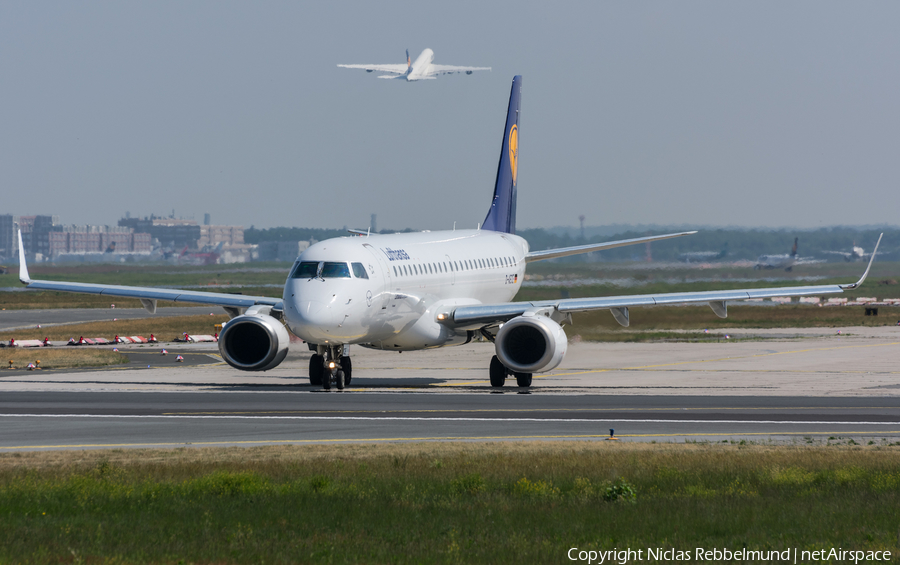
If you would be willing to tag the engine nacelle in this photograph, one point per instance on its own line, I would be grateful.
(254, 342)
(531, 344)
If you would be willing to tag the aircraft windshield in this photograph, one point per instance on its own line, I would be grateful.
(305, 270)
(330, 270)
(336, 271)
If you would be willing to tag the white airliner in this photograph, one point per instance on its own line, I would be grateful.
(421, 69)
(855, 254)
(409, 291)
(785, 262)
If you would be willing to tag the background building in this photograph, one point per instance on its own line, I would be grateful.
(170, 232)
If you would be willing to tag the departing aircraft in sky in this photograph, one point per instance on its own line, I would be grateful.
(409, 291)
(420, 69)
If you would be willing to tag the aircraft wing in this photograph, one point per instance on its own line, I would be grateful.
(147, 295)
(449, 69)
(399, 68)
(578, 249)
(488, 314)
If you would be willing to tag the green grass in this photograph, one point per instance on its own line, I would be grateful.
(661, 322)
(441, 503)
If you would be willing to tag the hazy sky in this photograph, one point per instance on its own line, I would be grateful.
(707, 113)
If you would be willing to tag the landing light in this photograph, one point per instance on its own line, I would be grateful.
(331, 365)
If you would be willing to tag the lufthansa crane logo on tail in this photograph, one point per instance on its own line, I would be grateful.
(514, 151)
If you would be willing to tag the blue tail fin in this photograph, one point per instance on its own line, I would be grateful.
(502, 215)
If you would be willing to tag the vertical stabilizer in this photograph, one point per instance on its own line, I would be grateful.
(794, 248)
(502, 215)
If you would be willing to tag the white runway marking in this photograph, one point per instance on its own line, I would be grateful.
(449, 419)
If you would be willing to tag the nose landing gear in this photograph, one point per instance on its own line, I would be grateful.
(329, 366)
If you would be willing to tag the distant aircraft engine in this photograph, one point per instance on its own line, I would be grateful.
(531, 344)
(254, 342)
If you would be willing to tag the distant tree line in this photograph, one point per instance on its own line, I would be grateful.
(741, 243)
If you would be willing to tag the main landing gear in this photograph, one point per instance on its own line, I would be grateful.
(329, 366)
(499, 372)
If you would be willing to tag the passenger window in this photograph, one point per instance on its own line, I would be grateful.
(359, 271)
(306, 270)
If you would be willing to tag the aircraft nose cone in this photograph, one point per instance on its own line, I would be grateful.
(315, 314)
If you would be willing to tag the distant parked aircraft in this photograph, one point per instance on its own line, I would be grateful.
(785, 262)
(855, 254)
(703, 256)
(207, 256)
(420, 69)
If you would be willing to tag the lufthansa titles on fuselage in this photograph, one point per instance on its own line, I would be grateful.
(396, 254)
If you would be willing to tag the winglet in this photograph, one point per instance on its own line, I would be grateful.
(871, 260)
(23, 268)
(408, 62)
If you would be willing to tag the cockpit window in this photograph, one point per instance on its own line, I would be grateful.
(335, 271)
(359, 271)
(305, 270)
(330, 270)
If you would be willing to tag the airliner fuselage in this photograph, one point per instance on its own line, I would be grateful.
(386, 291)
(420, 68)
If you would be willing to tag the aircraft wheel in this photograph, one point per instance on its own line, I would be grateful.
(523, 379)
(347, 366)
(339, 378)
(498, 372)
(316, 369)
(326, 380)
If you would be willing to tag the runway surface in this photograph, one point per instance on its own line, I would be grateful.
(778, 385)
(89, 420)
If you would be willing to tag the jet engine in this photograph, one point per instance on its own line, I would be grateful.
(531, 344)
(254, 342)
